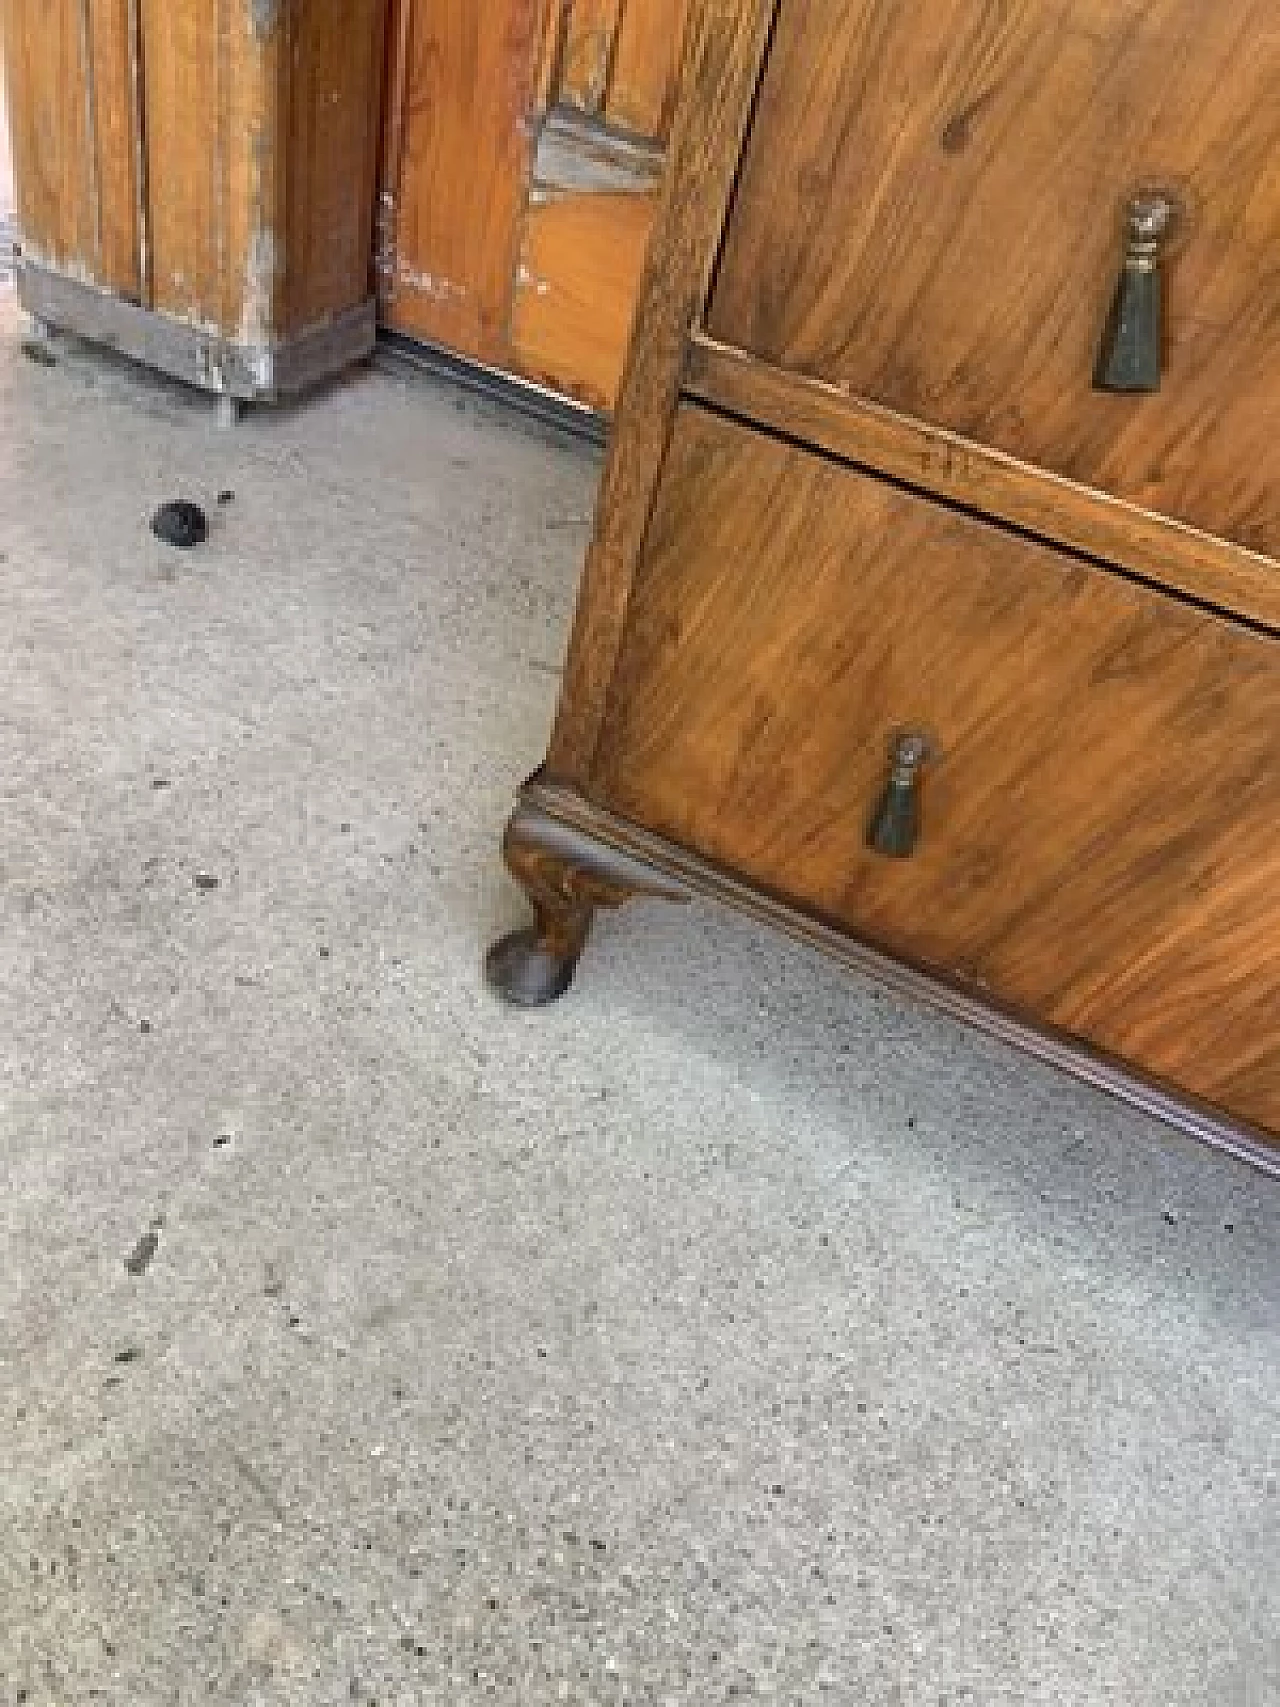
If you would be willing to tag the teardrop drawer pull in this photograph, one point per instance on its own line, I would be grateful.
(1130, 357)
(894, 831)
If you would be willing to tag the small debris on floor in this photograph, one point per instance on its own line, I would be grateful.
(226, 496)
(180, 523)
(37, 351)
(140, 1257)
(205, 880)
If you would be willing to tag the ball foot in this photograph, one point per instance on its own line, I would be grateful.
(526, 972)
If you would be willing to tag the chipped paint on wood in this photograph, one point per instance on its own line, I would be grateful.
(264, 265)
(439, 290)
(460, 168)
(578, 157)
(526, 279)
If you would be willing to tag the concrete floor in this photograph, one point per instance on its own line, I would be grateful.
(732, 1332)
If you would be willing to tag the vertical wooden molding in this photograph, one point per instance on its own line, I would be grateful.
(591, 36)
(724, 55)
(555, 41)
(391, 168)
(88, 73)
(227, 289)
(137, 87)
(531, 124)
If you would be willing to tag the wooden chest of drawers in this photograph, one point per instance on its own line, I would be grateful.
(933, 610)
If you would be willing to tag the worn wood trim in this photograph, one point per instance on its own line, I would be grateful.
(142, 207)
(186, 74)
(555, 31)
(725, 51)
(471, 89)
(646, 53)
(391, 158)
(275, 266)
(1211, 570)
(191, 353)
(544, 802)
(576, 155)
(590, 33)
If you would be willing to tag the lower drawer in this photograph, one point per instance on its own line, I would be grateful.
(1098, 840)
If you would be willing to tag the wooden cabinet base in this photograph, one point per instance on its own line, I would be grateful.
(249, 372)
(572, 858)
(195, 181)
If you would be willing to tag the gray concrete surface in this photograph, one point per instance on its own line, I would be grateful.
(733, 1332)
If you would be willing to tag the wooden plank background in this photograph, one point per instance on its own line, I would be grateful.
(481, 248)
(72, 156)
(459, 187)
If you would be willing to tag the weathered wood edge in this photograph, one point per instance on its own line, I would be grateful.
(591, 838)
(724, 56)
(1158, 548)
(575, 156)
(141, 188)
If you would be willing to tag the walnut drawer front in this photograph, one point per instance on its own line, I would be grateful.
(1099, 833)
(931, 214)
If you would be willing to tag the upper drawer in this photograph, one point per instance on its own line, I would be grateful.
(931, 214)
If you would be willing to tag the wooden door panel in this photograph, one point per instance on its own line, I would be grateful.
(576, 293)
(115, 103)
(337, 54)
(204, 95)
(457, 196)
(646, 59)
(1101, 827)
(524, 145)
(946, 235)
(73, 112)
(591, 210)
(256, 133)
